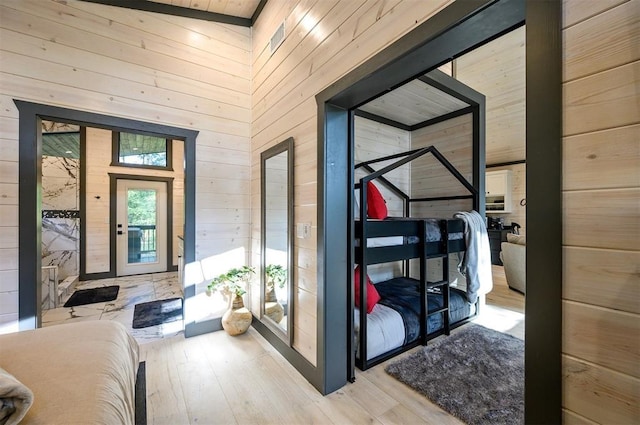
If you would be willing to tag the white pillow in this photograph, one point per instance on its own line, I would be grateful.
(16, 399)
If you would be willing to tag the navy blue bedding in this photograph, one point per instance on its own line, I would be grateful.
(403, 295)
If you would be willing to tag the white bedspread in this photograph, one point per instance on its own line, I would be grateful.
(385, 330)
(80, 373)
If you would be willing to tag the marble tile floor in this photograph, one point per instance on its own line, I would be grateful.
(133, 290)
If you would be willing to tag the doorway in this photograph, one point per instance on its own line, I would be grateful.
(141, 241)
(30, 205)
(459, 28)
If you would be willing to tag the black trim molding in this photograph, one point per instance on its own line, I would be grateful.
(30, 203)
(543, 303)
(453, 31)
(258, 11)
(457, 29)
(168, 9)
(505, 164)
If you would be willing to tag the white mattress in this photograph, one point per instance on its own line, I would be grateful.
(385, 330)
(386, 241)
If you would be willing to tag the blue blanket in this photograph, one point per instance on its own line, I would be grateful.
(403, 295)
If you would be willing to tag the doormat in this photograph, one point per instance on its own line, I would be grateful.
(157, 312)
(93, 295)
(477, 375)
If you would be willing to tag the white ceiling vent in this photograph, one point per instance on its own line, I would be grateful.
(277, 38)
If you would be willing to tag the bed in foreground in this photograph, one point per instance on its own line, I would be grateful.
(78, 373)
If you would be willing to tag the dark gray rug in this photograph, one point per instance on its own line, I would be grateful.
(476, 374)
(93, 295)
(157, 312)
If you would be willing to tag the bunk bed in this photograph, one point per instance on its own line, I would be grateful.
(409, 311)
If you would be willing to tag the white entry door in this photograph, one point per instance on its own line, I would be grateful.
(141, 229)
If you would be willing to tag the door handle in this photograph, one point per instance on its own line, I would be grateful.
(119, 232)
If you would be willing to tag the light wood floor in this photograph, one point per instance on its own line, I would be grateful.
(218, 379)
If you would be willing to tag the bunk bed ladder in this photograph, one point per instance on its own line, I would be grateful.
(442, 286)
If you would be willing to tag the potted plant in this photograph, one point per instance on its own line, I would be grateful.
(237, 319)
(276, 275)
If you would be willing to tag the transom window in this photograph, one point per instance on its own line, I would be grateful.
(140, 150)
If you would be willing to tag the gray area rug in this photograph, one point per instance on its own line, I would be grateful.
(155, 313)
(476, 374)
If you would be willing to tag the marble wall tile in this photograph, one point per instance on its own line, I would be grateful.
(68, 263)
(60, 183)
(61, 245)
(59, 193)
(61, 236)
(57, 166)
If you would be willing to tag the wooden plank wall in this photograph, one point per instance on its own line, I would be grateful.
(497, 70)
(601, 182)
(98, 166)
(149, 67)
(375, 140)
(454, 139)
(324, 41)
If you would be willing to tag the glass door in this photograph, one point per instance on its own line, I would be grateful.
(141, 229)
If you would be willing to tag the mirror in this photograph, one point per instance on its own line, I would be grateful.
(276, 289)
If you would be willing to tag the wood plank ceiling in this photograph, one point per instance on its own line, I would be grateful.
(413, 103)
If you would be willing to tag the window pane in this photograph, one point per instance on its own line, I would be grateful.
(141, 222)
(142, 150)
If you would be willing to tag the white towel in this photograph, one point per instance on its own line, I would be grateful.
(475, 265)
(15, 399)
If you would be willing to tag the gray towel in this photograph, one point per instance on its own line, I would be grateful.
(15, 399)
(475, 265)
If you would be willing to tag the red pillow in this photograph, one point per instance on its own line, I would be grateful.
(372, 294)
(376, 206)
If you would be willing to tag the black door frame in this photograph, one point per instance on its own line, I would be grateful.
(460, 27)
(30, 203)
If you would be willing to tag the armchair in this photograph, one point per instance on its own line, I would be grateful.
(513, 256)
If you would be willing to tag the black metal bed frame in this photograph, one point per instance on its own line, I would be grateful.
(407, 226)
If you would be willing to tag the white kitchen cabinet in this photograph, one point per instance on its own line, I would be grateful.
(498, 191)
